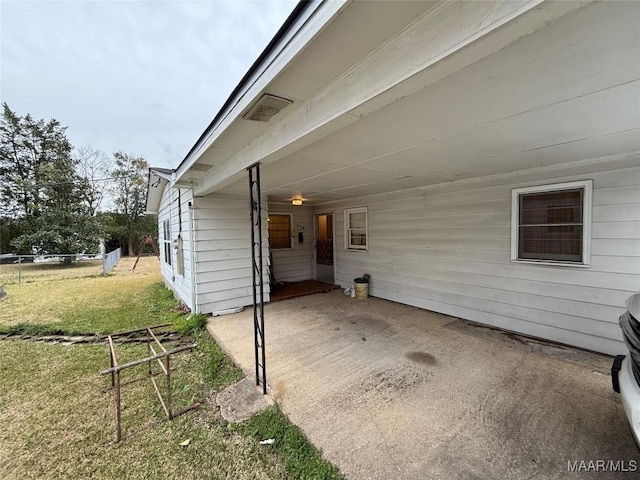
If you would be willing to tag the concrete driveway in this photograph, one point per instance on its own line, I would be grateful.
(389, 391)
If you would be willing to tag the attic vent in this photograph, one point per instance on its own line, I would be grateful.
(201, 167)
(266, 107)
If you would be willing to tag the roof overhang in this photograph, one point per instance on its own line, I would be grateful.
(157, 180)
(459, 91)
(304, 22)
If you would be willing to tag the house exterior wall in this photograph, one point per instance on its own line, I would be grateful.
(174, 207)
(296, 263)
(447, 249)
(223, 270)
(444, 247)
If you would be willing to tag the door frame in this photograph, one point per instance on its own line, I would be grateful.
(315, 239)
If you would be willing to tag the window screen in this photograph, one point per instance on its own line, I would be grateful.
(551, 226)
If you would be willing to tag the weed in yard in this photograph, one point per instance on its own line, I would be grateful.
(190, 324)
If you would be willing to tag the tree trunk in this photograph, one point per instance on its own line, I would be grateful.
(130, 247)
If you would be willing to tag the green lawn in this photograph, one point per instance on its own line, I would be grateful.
(33, 272)
(92, 304)
(56, 411)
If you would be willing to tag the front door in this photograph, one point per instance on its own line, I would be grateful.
(324, 247)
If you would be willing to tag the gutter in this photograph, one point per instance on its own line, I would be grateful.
(284, 29)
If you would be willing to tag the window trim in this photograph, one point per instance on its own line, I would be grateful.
(347, 238)
(291, 242)
(587, 187)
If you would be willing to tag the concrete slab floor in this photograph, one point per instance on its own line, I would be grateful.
(389, 391)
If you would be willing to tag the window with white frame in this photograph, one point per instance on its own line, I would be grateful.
(166, 240)
(355, 228)
(552, 223)
(279, 230)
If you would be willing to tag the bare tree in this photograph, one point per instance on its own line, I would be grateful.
(95, 169)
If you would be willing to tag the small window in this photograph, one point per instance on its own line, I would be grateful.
(279, 231)
(355, 227)
(166, 240)
(552, 223)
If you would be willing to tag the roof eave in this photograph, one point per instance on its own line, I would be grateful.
(290, 25)
(157, 180)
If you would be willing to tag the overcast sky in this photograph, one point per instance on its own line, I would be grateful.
(143, 77)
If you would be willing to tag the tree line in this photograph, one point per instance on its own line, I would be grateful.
(55, 198)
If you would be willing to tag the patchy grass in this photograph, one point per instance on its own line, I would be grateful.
(102, 304)
(56, 412)
(57, 422)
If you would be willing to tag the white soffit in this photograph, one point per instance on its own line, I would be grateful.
(567, 93)
(375, 77)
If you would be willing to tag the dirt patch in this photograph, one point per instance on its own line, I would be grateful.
(394, 381)
(382, 387)
(242, 400)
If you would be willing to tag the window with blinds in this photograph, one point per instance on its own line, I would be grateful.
(551, 223)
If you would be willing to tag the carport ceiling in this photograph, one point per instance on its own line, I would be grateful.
(566, 93)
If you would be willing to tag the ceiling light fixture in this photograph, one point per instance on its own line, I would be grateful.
(296, 201)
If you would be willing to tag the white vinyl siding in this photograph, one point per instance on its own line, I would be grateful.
(223, 253)
(178, 218)
(447, 249)
(296, 263)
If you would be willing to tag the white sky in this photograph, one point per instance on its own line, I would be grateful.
(143, 77)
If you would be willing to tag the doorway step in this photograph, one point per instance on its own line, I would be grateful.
(289, 290)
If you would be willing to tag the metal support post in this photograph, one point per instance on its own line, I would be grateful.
(257, 274)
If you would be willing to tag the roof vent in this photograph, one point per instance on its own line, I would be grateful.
(267, 107)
